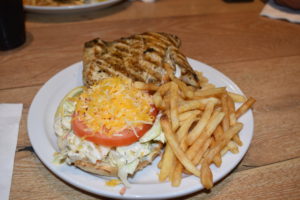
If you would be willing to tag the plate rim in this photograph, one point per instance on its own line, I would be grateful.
(39, 152)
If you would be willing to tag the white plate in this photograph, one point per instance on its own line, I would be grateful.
(145, 184)
(69, 9)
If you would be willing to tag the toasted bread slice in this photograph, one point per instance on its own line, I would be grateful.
(140, 57)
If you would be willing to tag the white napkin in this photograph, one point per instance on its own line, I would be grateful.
(275, 11)
(10, 115)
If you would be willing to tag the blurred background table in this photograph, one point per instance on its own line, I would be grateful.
(261, 55)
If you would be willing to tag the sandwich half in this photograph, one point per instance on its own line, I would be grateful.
(109, 129)
(141, 57)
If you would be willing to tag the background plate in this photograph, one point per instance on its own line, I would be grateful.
(69, 9)
(145, 184)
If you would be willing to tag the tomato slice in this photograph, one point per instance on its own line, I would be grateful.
(123, 138)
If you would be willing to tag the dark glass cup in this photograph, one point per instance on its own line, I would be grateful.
(12, 24)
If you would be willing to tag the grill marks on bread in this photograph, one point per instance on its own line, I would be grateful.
(139, 57)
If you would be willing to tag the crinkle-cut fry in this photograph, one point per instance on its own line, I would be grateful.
(245, 107)
(172, 141)
(237, 97)
(167, 163)
(196, 104)
(213, 122)
(198, 128)
(225, 140)
(145, 86)
(174, 106)
(201, 93)
(206, 176)
(189, 114)
(225, 121)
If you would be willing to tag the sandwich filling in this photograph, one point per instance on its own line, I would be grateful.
(108, 108)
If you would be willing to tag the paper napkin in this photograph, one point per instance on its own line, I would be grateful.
(275, 11)
(10, 115)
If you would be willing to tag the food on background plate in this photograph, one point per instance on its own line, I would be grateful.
(58, 2)
(110, 128)
(142, 57)
(140, 95)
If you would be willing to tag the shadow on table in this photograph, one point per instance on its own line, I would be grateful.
(78, 16)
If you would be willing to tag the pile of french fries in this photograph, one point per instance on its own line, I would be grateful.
(200, 125)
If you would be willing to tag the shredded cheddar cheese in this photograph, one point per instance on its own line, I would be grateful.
(113, 182)
(113, 105)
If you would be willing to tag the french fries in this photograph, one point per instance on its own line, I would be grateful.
(200, 126)
(189, 114)
(167, 163)
(237, 97)
(196, 104)
(209, 92)
(206, 176)
(145, 86)
(227, 136)
(197, 130)
(246, 105)
(175, 147)
(174, 107)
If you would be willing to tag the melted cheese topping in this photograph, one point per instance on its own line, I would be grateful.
(112, 105)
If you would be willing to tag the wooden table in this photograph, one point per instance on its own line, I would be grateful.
(261, 55)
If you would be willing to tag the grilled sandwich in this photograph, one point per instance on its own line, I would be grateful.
(141, 57)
